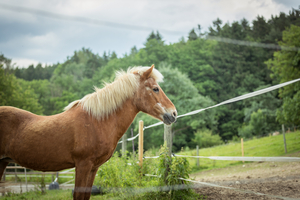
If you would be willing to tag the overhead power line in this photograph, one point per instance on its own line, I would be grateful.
(252, 44)
(80, 19)
(136, 27)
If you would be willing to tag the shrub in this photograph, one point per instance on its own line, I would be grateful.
(120, 175)
(205, 138)
(123, 181)
(169, 171)
(246, 131)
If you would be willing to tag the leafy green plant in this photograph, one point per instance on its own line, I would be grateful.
(205, 138)
(170, 171)
(120, 174)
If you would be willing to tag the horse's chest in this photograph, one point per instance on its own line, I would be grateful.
(102, 157)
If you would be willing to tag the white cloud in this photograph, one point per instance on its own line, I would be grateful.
(40, 38)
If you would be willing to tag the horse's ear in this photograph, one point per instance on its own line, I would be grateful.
(147, 73)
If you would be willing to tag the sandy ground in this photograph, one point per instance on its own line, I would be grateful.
(280, 179)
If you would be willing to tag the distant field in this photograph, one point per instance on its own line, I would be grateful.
(267, 146)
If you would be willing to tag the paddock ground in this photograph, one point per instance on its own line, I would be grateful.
(272, 178)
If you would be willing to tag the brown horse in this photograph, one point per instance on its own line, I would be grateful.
(86, 134)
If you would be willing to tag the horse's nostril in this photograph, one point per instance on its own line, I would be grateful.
(174, 114)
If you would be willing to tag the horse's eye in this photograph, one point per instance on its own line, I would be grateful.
(155, 89)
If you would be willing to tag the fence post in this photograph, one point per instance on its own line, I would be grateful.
(133, 152)
(141, 142)
(168, 137)
(3, 187)
(26, 179)
(16, 177)
(242, 144)
(197, 147)
(57, 173)
(124, 139)
(284, 138)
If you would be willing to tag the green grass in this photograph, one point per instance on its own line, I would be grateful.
(67, 195)
(268, 146)
(263, 147)
(51, 195)
(34, 195)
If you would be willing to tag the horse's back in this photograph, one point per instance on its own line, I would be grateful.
(11, 119)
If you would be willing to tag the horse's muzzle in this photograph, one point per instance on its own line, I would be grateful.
(169, 118)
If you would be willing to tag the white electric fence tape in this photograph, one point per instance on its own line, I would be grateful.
(236, 158)
(268, 159)
(239, 190)
(242, 97)
(176, 187)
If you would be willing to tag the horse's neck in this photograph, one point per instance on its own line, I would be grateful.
(120, 120)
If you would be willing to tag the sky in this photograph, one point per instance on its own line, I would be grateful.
(38, 31)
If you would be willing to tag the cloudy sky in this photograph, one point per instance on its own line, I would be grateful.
(42, 31)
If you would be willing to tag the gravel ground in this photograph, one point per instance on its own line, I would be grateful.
(280, 179)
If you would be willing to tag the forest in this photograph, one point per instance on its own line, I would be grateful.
(198, 72)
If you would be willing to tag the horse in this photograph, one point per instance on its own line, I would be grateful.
(86, 134)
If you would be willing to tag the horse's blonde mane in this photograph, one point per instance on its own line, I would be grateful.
(107, 100)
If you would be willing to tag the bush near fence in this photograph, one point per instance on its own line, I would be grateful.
(121, 177)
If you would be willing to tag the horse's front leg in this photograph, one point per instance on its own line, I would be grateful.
(90, 183)
(83, 170)
(3, 165)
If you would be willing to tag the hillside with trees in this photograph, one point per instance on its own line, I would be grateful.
(199, 72)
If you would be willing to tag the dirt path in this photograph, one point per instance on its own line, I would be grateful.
(275, 179)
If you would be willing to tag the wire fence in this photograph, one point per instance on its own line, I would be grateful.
(86, 20)
(249, 95)
(235, 99)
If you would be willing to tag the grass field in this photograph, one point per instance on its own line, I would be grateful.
(271, 146)
(50, 195)
(268, 146)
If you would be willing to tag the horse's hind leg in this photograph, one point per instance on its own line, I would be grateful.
(3, 165)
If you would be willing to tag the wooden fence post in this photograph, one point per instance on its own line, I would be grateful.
(57, 174)
(168, 137)
(141, 142)
(197, 147)
(242, 144)
(16, 177)
(284, 138)
(124, 139)
(133, 152)
(26, 179)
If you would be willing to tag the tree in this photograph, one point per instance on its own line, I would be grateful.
(193, 35)
(156, 36)
(260, 28)
(151, 36)
(14, 92)
(285, 66)
(217, 25)
(113, 55)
